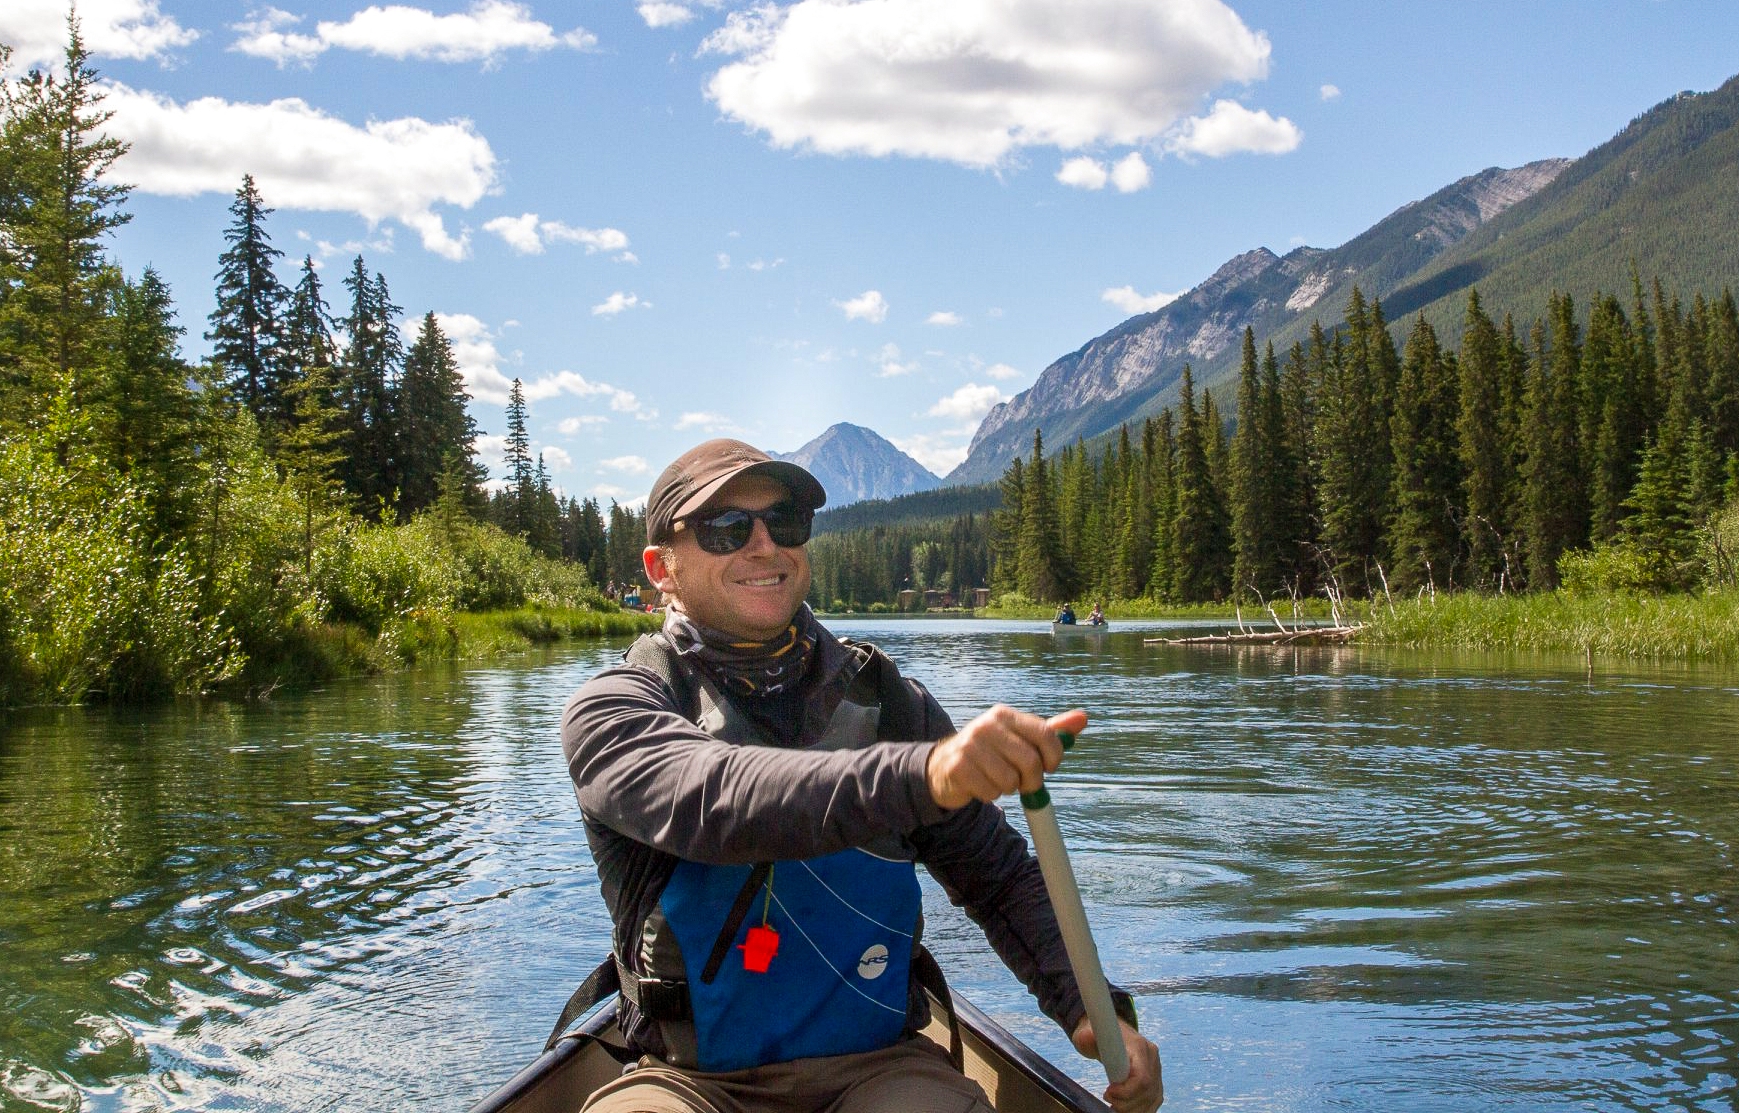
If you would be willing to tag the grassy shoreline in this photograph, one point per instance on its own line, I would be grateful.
(1701, 627)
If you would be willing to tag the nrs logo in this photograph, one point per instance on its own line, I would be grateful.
(873, 964)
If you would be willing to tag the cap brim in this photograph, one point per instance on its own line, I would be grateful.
(805, 488)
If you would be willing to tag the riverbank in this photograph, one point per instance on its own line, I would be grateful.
(1703, 627)
(422, 637)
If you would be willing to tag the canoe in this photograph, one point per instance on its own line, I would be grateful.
(1017, 1078)
(1080, 629)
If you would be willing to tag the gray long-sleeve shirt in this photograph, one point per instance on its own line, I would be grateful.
(653, 787)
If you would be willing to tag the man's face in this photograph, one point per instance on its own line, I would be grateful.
(751, 593)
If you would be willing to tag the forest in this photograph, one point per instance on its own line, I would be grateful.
(306, 502)
(1594, 449)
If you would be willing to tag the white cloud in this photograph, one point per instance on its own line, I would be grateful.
(611, 491)
(555, 456)
(478, 358)
(1003, 371)
(571, 426)
(1131, 173)
(973, 83)
(708, 423)
(628, 465)
(1083, 173)
(724, 261)
(764, 265)
(36, 31)
(577, 385)
(891, 363)
(619, 302)
(941, 453)
(302, 158)
(529, 235)
(658, 13)
(1230, 128)
(1127, 299)
(1330, 92)
(970, 403)
(868, 306)
(945, 318)
(482, 33)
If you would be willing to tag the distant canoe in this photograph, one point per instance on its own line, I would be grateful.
(1080, 629)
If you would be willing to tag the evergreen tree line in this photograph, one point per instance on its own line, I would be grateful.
(301, 503)
(1601, 444)
(854, 569)
(607, 546)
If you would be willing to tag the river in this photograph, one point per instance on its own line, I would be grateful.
(1334, 879)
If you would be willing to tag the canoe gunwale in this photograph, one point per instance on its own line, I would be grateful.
(1036, 1071)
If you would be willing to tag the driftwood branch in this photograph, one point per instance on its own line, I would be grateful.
(1314, 635)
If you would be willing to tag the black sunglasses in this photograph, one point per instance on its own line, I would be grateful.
(724, 531)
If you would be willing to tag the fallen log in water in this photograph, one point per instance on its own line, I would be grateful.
(1310, 635)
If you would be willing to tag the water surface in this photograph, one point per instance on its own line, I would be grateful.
(1334, 878)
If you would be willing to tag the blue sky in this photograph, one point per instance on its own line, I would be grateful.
(678, 218)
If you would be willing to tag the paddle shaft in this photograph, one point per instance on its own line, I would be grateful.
(1053, 857)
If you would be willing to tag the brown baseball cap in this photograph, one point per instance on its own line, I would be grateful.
(696, 476)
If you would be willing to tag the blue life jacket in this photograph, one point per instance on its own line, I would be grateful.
(846, 923)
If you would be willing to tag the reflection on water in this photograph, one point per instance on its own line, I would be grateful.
(1334, 878)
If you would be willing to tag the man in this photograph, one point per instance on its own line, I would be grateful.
(755, 794)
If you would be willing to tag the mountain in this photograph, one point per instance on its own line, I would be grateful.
(855, 463)
(1662, 196)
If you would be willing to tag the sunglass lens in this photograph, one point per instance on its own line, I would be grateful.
(724, 533)
(787, 528)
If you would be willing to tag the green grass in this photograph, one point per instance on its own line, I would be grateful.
(1612, 624)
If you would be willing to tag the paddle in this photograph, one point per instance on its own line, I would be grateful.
(1041, 820)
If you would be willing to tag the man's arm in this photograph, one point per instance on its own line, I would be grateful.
(644, 770)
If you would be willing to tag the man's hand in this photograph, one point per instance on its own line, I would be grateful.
(1144, 1090)
(1001, 751)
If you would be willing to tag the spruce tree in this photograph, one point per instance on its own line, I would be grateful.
(1253, 486)
(521, 480)
(1423, 538)
(1201, 528)
(367, 379)
(1556, 505)
(308, 326)
(1614, 418)
(56, 208)
(1484, 451)
(247, 326)
(432, 424)
(1163, 471)
(1044, 578)
(148, 421)
(310, 450)
(1005, 575)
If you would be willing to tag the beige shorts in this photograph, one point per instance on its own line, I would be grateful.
(914, 1076)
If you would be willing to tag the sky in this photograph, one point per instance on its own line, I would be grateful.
(675, 219)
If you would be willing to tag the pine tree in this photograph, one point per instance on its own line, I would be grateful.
(147, 419)
(56, 208)
(1423, 538)
(432, 423)
(1614, 418)
(1254, 485)
(1298, 422)
(367, 380)
(521, 480)
(308, 326)
(1201, 528)
(1043, 576)
(1163, 471)
(1005, 575)
(1556, 503)
(1481, 440)
(247, 326)
(309, 449)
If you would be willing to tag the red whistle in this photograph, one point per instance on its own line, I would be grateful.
(758, 949)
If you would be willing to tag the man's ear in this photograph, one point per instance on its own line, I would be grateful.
(658, 572)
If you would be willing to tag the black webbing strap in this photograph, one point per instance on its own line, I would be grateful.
(928, 974)
(739, 909)
(598, 985)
